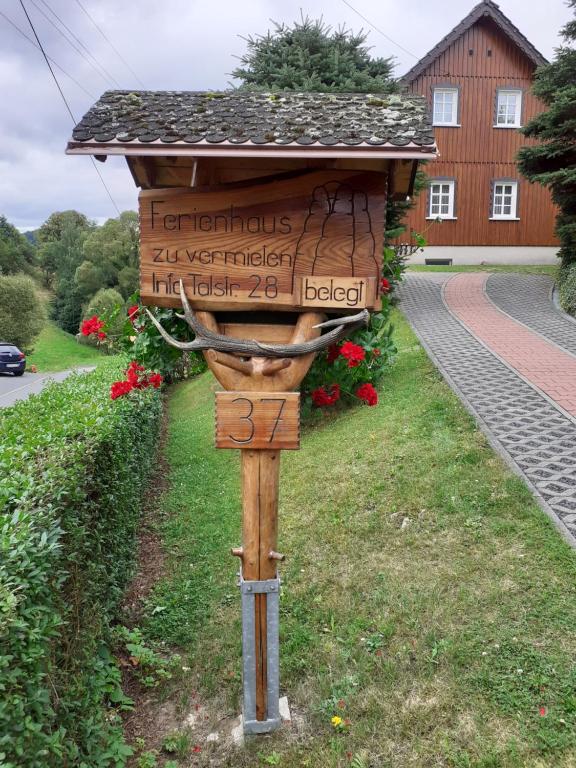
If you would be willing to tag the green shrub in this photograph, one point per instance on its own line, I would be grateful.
(22, 314)
(73, 465)
(567, 287)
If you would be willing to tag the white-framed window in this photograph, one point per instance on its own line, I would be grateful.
(504, 200)
(508, 108)
(441, 204)
(445, 106)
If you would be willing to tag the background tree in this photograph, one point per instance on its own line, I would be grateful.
(78, 259)
(17, 254)
(311, 56)
(22, 314)
(552, 162)
(113, 249)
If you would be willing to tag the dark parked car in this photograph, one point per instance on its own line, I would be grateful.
(11, 359)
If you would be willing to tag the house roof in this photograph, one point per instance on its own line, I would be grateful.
(485, 9)
(192, 122)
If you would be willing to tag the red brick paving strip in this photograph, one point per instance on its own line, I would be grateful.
(541, 363)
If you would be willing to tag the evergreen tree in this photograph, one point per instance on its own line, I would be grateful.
(311, 56)
(552, 162)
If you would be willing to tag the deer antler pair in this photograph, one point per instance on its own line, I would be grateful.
(207, 339)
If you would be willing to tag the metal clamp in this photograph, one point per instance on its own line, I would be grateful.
(249, 589)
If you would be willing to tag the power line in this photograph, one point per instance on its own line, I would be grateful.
(116, 51)
(377, 30)
(65, 101)
(77, 39)
(64, 72)
(69, 41)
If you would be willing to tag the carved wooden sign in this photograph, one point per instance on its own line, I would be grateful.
(258, 420)
(313, 241)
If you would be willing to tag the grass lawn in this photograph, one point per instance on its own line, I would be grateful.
(529, 269)
(56, 350)
(426, 598)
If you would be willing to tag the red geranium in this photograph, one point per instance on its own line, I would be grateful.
(120, 388)
(353, 353)
(321, 397)
(155, 380)
(93, 326)
(133, 375)
(135, 379)
(385, 285)
(133, 313)
(367, 393)
(333, 353)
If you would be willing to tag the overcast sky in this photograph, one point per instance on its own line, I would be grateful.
(171, 45)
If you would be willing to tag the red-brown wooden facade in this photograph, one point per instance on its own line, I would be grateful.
(480, 60)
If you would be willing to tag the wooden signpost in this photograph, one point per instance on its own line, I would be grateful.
(300, 244)
(260, 216)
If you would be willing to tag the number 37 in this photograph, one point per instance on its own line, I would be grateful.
(257, 420)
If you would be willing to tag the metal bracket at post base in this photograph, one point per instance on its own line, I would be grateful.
(248, 589)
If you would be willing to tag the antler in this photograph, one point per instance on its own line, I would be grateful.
(207, 339)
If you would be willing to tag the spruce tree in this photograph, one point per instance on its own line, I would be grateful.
(552, 162)
(311, 56)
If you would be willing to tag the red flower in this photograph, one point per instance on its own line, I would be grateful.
(333, 353)
(133, 313)
(353, 353)
(367, 393)
(92, 325)
(155, 380)
(120, 388)
(133, 375)
(385, 285)
(543, 711)
(196, 748)
(321, 397)
(101, 335)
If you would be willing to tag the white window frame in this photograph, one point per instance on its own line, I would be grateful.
(499, 200)
(441, 198)
(440, 91)
(502, 95)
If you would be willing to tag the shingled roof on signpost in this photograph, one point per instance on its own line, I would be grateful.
(254, 123)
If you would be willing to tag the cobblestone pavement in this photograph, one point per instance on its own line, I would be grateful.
(527, 298)
(530, 429)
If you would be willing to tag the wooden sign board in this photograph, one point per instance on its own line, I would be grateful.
(258, 420)
(313, 241)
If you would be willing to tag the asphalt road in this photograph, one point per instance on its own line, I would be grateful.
(13, 388)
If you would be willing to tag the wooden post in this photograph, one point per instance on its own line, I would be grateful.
(260, 478)
(261, 467)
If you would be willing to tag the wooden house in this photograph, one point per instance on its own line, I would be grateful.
(477, 81)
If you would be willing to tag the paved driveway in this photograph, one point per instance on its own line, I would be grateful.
(13, 388)
(510, 355)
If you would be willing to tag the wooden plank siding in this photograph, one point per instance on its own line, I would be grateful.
(477, 153)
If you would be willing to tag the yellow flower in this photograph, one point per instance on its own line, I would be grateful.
(336, 721)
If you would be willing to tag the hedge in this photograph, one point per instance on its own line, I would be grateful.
(567, 287)
(73, 466)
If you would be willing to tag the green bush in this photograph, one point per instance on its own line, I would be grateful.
(567, 287)
(22, 314)
(73, 466)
